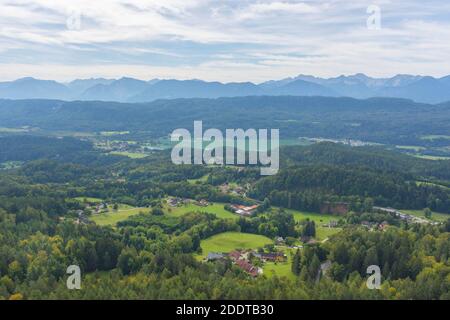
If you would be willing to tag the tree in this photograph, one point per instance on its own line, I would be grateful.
(427, 212)
(16, 296)
(296, 263)
(309, 229)
(314, 267)
(157, 211)
(128, 261)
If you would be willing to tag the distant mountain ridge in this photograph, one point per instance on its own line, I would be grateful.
(423, 89)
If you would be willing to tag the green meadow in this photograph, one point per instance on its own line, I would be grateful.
(112, 217)
(280, 269)
(428, 157)
(132, 155)
(318, 218)
(323, 233)
(89, 199)
(229, 241)
(435, 216)
(215, 208)
(435, 137)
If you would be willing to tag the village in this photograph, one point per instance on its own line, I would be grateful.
(253, 260)
(244, 259)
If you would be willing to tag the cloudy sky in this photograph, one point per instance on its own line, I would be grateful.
(235, 40)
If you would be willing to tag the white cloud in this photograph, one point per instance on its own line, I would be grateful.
(228, 40)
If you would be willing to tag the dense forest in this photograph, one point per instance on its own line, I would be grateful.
(383, 120)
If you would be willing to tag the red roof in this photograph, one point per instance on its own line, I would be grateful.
(235, 255)
(246, 266)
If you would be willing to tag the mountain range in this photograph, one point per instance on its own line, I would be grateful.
(423, 89)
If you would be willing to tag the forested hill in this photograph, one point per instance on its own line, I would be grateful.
(373, 158)
(383, 120)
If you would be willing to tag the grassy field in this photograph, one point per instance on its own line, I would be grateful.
(113, 217)
(280, 269)
(427, 157)
(321, 232)
(318, 218)
(132, 155)
(412, 148)
(435, 137)
(324, 232)
(215, 208)
(229, 241)
(13, 130)
(89, 199)
(424, 183)
(435, 215)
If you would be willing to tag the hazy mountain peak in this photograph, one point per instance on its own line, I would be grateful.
(415, 87)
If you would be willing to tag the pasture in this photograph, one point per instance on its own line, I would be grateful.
(435, 216)
(131, 155)
(214, 208)
(112, 217)
(229, 241)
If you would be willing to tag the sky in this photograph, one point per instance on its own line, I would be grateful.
(234, 40)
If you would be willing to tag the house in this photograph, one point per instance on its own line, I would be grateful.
(324, 267)
(234, 255)
(213, 256)
(331, 224)
(176, 202)
(202, 203)
(239, 191)
(383, 226)
(273, 257)
(249, 268)
(279, 240)
(82, 219)
(224, 187)
(244, 210)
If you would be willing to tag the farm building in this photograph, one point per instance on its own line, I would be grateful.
(244, 210)
(213, 256)
(176, 202)
(271, 256)
(249, 268)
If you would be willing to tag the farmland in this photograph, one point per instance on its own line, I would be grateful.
(435, 216)
(321, 232)
(132, 155)
(280, 269)
(316, 217)
(215, 208)
(112, 217)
